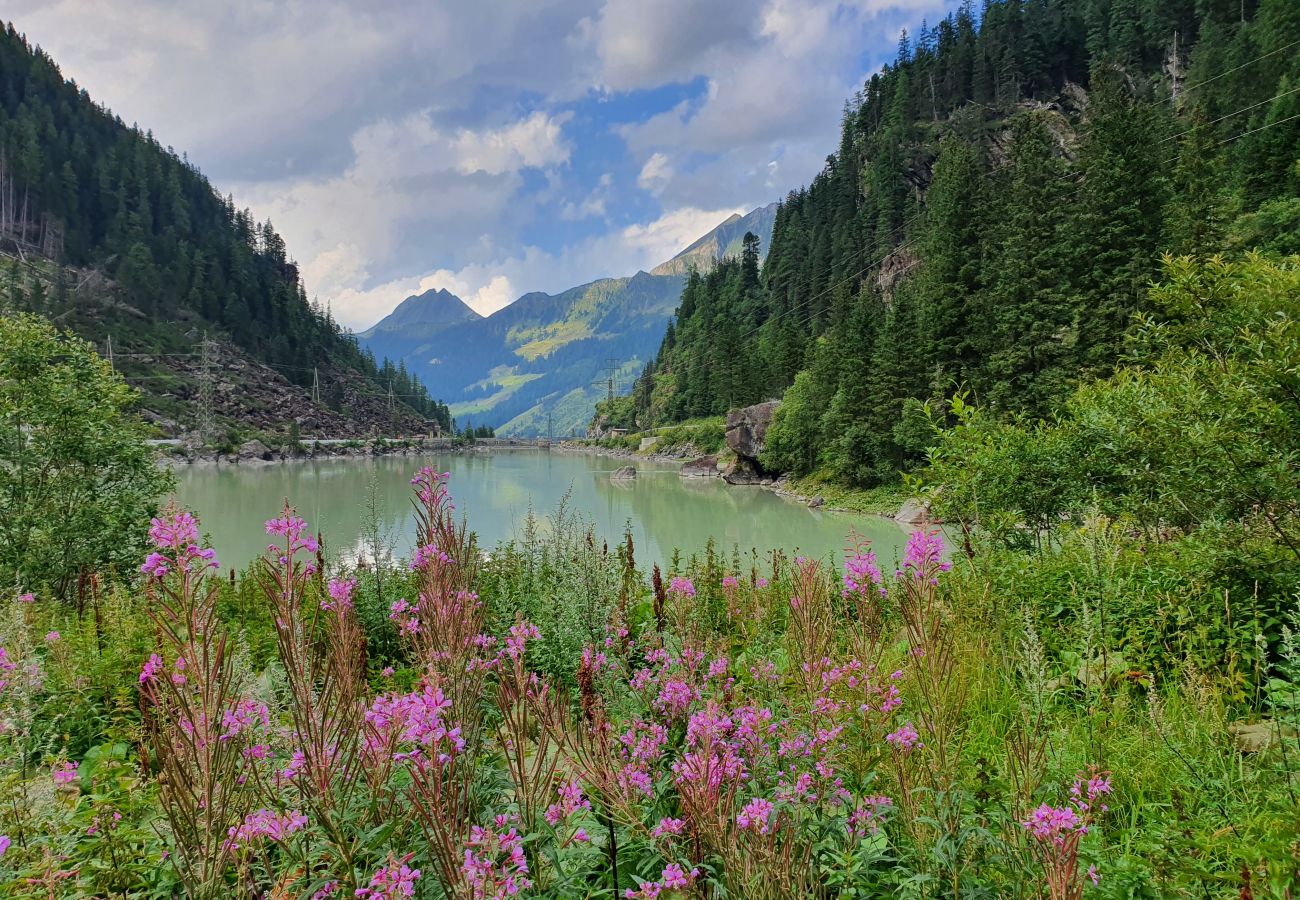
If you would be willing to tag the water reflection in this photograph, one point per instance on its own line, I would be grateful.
(496, 491)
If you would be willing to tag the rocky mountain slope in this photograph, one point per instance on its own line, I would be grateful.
(542, 362)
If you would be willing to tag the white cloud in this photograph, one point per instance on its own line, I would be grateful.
(656, 172)
(669, 234)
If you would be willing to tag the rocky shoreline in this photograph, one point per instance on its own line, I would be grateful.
(745, 436)
(256, 452)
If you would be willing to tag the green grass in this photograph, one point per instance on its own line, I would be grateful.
(882, 500)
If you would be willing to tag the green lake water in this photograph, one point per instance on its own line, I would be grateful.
(495, 491)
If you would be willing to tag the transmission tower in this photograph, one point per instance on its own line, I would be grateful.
(315, 386)
(109, 353)
(203, 411)
(611, 370)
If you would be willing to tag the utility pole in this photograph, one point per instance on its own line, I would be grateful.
(203, 412)
(315, 385)
(110, 353)
(550, 429)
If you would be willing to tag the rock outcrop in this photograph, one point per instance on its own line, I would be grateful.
(704, 467)
(747, 429)
(913, 512)
(624, 473)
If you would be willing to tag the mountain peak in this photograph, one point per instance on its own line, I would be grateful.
(436, 306)
(722, 241)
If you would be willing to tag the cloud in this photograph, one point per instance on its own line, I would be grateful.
(656, 172)
(495, 148)
(643, 45)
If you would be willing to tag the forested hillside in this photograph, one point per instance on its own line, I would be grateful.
(992, 219)
(92, 196)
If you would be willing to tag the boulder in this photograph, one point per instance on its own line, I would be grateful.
(743, 471)
(817, 502)
(624, 473)
(747, 429)
(705, 467)
(254, 449)
(913, 512)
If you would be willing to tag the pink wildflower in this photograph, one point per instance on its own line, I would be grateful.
(924, 555)
(340, 595)
(27, 598)
(151, 667)
(65, 773)
(52, 637)
(264, 823)
(571, 800)
(683, 587)
(905, 739)
(755, 815)
(392, 881)
(494, 865)
(668, 827)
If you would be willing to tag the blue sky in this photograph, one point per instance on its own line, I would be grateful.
(491, 147)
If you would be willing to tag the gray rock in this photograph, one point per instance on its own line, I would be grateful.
(254, 449)
(817, 502)
(743, 471)
(914, 512)
(705, 467)
(747, 429)
(623, 474)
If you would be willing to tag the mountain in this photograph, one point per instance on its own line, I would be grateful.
(542, 362)
(991, 223)
(434, 308)
(111, 234)
(722, 242)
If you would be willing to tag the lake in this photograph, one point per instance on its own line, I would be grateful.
(495, 491)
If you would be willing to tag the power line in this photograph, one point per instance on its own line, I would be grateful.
(1243, 65)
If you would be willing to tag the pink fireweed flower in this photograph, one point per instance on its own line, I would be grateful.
(340, 595)
(1092, 874)
(905, 739)
(676, 878)
(392, 881)
(297, 762)
(494, 865)
(404, 615)
(675, 697)
(431, 486)
(668, 827)
(52, 637)
(1053, 823)
(520, 634)
(27, 598)
(175, 531)
(756, 815)
(682, 587)
(924, 555)
(427, 556)
(730, 582)
(65, 773)
(673, 878)
(571, 800)
(4, 844)
(1084, 794)
(245, 715)
(296, 536)
(861, 574)
(866, 818)
(593, 660)
(175, 537)
(264, 824)
(150, 670)
(178, 671)
(415, 719)
(387, 671)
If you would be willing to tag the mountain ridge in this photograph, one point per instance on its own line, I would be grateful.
(532, 366)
